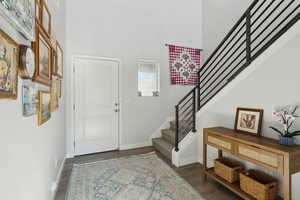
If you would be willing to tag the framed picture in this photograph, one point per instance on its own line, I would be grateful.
(8, 67)
(30, 100)
(249, 121)
(43, 51)
(46, 18)
(38, 15)
(58, 71)
(21, 15)
(54, 94)
(44, 113)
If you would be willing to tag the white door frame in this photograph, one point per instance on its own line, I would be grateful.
(72, 125)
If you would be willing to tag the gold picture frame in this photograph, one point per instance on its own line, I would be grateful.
(45, 18)
(44, 113)
(59, 62)
(9, 59)
(249, 121)
(43, 54)
(54, 95)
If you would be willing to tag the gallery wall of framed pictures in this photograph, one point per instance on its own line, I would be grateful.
(41, 63)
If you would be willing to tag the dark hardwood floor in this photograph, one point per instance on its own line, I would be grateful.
(193, 174)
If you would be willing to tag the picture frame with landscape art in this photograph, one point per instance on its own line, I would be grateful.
(44, 113)
(58, 71)
(9, 54)
(21, 15)
(54, 94)
(43, 52)
(45, 18)
(29, 100)
(249, 121)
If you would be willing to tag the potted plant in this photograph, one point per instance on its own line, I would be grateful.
(287, 118)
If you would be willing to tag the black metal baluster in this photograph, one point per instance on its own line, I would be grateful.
(194, 111)
(177, 128)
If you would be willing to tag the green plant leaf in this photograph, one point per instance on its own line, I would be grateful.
(293, 134)
(294, 111)
(276, 130)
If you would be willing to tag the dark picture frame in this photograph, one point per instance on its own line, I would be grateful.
(249, 121)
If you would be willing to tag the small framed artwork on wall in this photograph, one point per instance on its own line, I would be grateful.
(43, 55)
(249, 121)
(46, 18)
(58, 71)
(8, 67)
(30, 100)
(44, 113)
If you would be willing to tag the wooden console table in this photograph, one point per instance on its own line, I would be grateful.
(261, 151)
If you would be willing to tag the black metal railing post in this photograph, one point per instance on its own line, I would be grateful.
(199, 93)
(248, 36)
(177, 128)
(194, 110)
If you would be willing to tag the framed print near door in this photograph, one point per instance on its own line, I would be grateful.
(8, 67)
(58, 68)
(249, 121)
(43, 53)
(44, 113)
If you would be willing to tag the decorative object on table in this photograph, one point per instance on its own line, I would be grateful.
(38, 11)
(46, 18)
(42, 49)
(249, 121)
(58, 71)
(27, 63)
(143, 176)
(8, 67)
(44, 113)
(21, 15)
(30, 100)
(54, 94)
(228, 169)
(184, 65)
(259, 185)
(287, 118)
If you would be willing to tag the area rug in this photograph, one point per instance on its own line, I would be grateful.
(141, 177)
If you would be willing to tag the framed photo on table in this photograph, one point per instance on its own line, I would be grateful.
(249, 121)
(43, 54)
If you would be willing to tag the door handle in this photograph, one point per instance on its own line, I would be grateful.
(117, 110)
(116, 104)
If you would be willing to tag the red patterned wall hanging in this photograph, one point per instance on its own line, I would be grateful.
(184, 65)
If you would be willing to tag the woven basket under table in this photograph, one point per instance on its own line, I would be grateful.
(228, 169)
(259, 185)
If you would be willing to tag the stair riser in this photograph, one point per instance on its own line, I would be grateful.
(163, 151)
(169, 138)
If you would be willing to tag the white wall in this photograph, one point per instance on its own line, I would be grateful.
(27, 151)
(218, 18)
(272, 80)
(130, 30)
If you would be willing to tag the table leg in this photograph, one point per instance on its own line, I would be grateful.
(205, 159)
(287, 180)
(220, 153)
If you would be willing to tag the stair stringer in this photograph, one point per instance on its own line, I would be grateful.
(188, 150)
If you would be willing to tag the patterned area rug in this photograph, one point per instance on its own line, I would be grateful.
(142, 177)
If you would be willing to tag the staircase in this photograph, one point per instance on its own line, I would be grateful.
(258, 28)
(166, 143)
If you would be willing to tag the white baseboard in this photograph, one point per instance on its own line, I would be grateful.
(188, 160)
(134, 146)
(58, 177)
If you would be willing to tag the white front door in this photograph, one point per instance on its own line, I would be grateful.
(96, 105)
